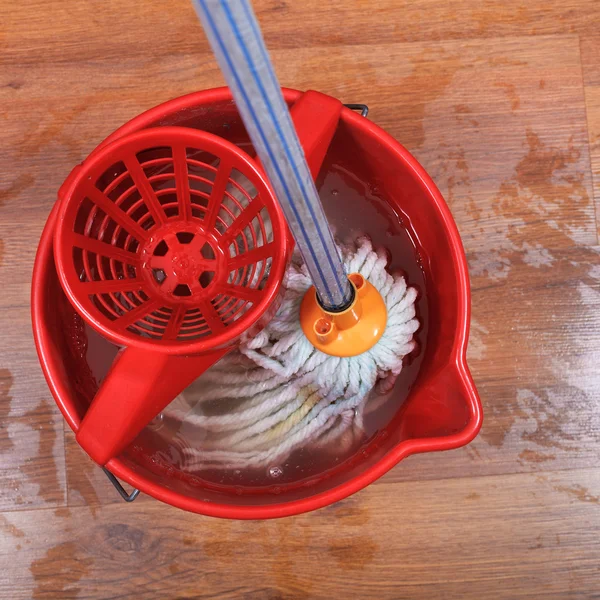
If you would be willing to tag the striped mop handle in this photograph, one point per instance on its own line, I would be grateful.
(235, 37)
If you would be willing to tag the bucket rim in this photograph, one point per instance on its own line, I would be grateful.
(457, 359)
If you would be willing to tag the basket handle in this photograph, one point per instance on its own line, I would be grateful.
(138, 386)
(315, 117)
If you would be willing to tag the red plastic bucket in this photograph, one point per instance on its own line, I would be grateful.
(442, 410)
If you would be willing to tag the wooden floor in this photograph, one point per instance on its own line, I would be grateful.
(500, 101)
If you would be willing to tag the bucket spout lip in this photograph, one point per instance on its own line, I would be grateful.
(474, 400)
(460, 370)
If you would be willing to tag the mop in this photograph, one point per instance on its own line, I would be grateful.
(277, 392)
(302, 379)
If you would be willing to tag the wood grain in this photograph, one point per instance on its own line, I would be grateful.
(32, 466)
(590, 58)
(83, 31)
(484, 538)
(501, 104)
(592, 96)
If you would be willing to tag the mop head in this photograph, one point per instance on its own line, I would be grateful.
(278, 393)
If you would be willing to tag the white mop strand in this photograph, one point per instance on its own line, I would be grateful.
(277, 392)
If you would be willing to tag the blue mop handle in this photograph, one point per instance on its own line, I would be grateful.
(235, 37)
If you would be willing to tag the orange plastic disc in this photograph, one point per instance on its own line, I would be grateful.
(350, 332)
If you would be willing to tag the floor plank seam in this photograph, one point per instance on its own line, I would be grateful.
(589, 135)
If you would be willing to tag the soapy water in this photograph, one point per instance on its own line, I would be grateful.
(344, 197)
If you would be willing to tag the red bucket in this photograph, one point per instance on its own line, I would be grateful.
(436, 404)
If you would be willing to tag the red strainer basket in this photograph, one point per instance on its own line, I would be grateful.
(171, 238)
